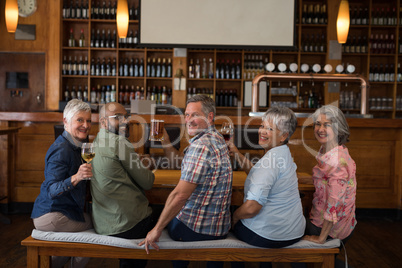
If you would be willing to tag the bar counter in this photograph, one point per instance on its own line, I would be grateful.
(375, 145)
(166, 180)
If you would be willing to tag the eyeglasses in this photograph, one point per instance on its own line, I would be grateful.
(120, 117)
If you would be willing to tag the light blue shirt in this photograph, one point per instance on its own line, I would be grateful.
(273, 183)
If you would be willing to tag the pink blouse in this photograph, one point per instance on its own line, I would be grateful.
(335, 191)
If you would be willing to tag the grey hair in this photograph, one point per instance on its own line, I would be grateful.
(283, 118)
(208, 104)
(338, 120)
(74, 106)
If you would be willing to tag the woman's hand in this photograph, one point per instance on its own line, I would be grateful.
(84, 172)
(232, 148)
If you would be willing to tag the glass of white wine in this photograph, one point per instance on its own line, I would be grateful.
(87, 153)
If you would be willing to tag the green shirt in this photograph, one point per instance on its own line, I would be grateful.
(118, 184)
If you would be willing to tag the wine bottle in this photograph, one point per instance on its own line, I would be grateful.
(81, 41)
(71, 40)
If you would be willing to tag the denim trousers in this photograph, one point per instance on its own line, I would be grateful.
(245, 234)
(178, 231)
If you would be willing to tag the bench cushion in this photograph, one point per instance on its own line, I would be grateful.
(165, 242)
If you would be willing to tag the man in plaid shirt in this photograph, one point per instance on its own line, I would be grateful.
(198, 208)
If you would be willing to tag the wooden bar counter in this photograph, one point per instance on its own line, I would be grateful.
(166, 180)
(375, 145)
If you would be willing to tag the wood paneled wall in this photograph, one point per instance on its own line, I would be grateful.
(47, 20)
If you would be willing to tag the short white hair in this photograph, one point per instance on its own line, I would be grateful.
(283, 118)
(74, 106)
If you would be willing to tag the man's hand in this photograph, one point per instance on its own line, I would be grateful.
(151, 239)
(313, 238)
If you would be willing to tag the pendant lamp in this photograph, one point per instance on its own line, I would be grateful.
(122, 18)
(342, 22)
(11, 15)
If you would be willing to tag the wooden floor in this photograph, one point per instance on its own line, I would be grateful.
(377, 242)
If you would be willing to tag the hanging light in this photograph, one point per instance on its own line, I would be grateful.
(11, 15)
(342, 22)
(122, 18)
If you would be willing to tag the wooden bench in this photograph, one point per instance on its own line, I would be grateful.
(39, 252)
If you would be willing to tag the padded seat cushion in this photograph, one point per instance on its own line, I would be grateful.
(165, 242)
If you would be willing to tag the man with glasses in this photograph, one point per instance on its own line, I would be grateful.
(119, 205)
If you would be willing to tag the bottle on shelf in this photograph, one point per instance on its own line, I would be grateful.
(81, 41)
(67, 96)
(169, 68)
(197, 69)
(191, 72)
(163, 68)
(141, 68)
(72, 10)
(73, 93)
(71, 40)
(210, 69)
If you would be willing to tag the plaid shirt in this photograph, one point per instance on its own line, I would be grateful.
(207, 163)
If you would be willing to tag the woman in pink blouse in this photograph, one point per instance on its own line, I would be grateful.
(334, 177)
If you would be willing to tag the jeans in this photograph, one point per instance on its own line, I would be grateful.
(178, 231)
(140, 230)
(245, 234)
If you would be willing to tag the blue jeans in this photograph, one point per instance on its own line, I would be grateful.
(178, 231)
(245, 234)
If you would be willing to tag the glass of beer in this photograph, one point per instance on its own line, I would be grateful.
(156, 130)
(87, 153)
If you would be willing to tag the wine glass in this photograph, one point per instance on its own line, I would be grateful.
(87, 153)
(227, 131)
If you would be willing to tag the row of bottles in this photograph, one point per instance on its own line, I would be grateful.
(228, 69)
(161, 95)
(206, 70)
(349, 100)
(103, 68)
(81, 40)
(131, 41)
(104, 11)
(191, 92)
(159, 67)
(314, 14)
(310, 99)
(382, 44)
(134, 68)
(79, 10)
(226, 98)
(384, 16)
(253, 65)
(358, 15)
(102, 39)
(74, 92)
(380, 103)
(313, 43)
(103, 94)
(383, 73)
(75, 67)
(355, 44)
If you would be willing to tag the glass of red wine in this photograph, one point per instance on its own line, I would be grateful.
(227, 131)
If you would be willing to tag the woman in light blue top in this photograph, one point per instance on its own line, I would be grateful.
(271, 215)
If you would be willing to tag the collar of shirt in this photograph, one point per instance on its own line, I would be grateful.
(74, 143)
(209, 129)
